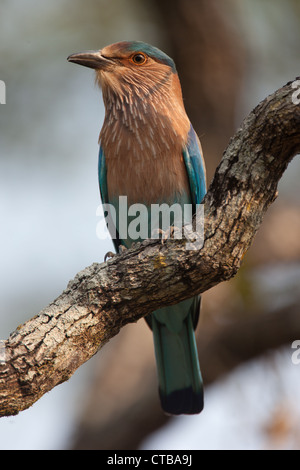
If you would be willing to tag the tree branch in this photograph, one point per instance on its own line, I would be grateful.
(47, 349)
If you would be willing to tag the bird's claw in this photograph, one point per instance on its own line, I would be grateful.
(122, 248)
(108, 255)
(164, 235)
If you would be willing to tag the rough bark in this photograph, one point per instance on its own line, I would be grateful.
(47, 349)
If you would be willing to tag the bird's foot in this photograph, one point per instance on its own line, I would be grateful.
(171, 232)
(109, 255)
(158, 233)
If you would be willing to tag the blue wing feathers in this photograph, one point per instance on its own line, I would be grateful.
(195, 167)
(102, 175)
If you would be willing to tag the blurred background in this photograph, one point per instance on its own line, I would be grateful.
(230, 55)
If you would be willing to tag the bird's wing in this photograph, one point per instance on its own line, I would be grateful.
(195, 167)
(102, 176)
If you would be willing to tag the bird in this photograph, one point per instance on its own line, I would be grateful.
(150, 153)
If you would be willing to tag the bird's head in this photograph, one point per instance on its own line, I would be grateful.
(129, 67)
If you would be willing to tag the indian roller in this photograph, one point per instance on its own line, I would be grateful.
(150, 153)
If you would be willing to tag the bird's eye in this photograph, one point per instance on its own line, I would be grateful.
(139, 58)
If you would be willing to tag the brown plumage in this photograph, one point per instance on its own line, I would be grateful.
(145, 130)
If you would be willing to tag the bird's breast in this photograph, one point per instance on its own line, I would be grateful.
(142, 141)
(146, 170)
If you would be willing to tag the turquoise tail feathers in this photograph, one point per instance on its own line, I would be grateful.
(179, 376)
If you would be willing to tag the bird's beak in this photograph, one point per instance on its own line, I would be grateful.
(93, 59)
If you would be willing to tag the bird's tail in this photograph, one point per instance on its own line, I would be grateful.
(179, 376)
